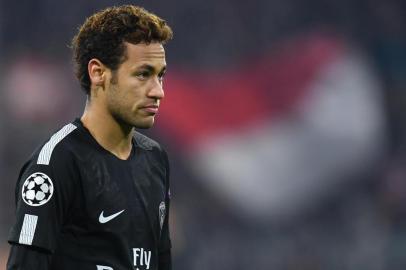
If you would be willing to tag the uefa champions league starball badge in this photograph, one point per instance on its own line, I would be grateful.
(37, 189)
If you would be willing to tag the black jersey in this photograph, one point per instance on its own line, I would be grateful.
(90, 209)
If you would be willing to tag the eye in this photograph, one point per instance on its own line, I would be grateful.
(142, 75)
(161, 76)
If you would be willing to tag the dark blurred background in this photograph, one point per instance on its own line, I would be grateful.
(284, 122)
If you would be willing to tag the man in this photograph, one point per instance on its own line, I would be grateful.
(95, 196)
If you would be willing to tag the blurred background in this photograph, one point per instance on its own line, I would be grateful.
(284, 122)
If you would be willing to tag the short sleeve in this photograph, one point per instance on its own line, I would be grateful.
(44, 194)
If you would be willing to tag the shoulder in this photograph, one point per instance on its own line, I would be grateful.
(146, 143)
(57, 148)
(151, 145)
(52, 162)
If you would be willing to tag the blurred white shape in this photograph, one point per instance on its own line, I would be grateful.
(36, 89)
(278, 170)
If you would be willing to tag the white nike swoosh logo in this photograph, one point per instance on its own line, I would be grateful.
(103, 219)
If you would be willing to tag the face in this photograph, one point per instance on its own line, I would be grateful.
(134, 91)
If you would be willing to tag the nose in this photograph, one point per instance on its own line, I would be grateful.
(156, 90)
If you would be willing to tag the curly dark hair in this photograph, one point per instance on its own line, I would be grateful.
(103, 34)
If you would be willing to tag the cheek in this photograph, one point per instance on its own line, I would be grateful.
(131, 100)
(127, 94)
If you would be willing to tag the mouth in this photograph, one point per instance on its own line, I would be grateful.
(150, 109)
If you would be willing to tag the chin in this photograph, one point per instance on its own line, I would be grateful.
(144, 124)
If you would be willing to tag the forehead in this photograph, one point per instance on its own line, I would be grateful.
(139, 54)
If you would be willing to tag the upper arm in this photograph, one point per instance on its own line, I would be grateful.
(44, 194)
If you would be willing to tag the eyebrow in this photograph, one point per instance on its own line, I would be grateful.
(151, 68)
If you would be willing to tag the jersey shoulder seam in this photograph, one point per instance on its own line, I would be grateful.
(47, 149)
(145, 142)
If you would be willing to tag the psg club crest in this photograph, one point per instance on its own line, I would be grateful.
(162, 212)
(37, 189)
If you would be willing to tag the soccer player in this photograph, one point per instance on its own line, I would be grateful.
(95, 196)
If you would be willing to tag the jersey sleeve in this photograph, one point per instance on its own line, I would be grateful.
(165, 260)
(24, 257)
(43, 195)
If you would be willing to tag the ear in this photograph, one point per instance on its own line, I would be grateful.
(97, 72)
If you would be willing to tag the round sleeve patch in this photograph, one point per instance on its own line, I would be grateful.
(37, 189)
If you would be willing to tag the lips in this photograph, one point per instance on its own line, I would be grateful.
(153, 108)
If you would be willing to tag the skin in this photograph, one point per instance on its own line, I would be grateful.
(125, 98)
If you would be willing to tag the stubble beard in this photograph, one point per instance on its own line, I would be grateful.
(126, 117)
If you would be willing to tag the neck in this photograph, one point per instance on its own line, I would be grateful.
(113, 136)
